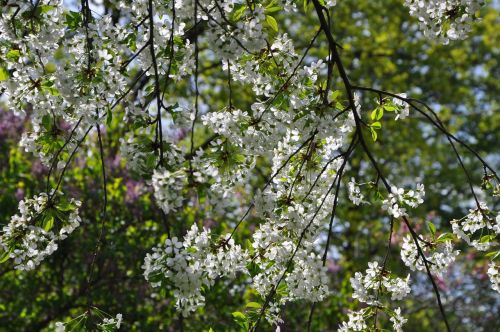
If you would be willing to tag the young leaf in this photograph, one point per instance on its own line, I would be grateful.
(13, 55)
(493, 254)
(4, 74)
(240, 319)
(272, 22)
(389, 107)
(487, 238)
(4, 256)
(272, 9)
(377, 113)
(239, 12)
(253, 305)
(445, 237)
(432, 228)
(374, 134)
(48, 221)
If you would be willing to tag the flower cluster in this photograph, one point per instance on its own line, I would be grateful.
(480, 230)
(398, 320)
(494, 274)
(107, 322)
(444, 20)
(113, 322)
(190, 265)
(33, 234)
(437, 255)
(478, 220)
(397, 201)
(168, 189)
(367, 287)
(354, 192)
(66, 88)
(358, 320)
(402, 107)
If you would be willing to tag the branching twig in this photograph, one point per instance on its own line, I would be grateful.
(349, 90)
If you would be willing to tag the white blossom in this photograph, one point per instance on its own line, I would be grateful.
(438, 259)
(356, 322)
(444, 20)
(355, 194)
(34, 233)
(398, 320)
(191, 264)
(494, 274)
(397, 201)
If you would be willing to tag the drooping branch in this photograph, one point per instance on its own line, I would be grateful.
(349, 90)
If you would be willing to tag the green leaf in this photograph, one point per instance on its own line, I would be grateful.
(487, 238)
(13, 55)
(493, 254)
(240, 319)
(306, 6)
(272, 22)
(432, 228)
(253, 305)
(445, 237)
(47, 122)
(374, 134)
(273, 9)
(48, 221)
(282, 289)
(377, 113)
(333, 95)
(73, 20)
(4, 256)
(239, 315)
(192, 250)
(46, 8)
(109, 117)
(239, 158)
(65, 206)
(239, 12)
(390, 107)
(4, 74)
(376, 125)
(47, 87)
